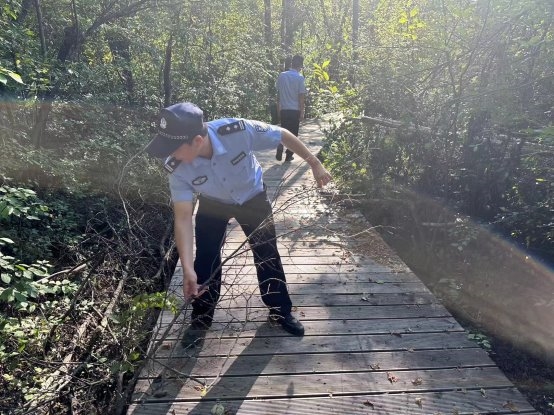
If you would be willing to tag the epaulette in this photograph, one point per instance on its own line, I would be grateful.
(171, 164)
(231, 128)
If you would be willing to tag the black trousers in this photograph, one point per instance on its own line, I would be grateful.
(290, 119)
(256, 220)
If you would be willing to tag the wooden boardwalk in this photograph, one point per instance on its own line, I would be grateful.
(377, 341)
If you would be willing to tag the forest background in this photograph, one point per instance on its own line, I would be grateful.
(443, 136)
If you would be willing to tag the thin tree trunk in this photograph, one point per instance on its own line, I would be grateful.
(167, 71)
(287, 32)
(40, 25)
(355, 37)
(268, 38)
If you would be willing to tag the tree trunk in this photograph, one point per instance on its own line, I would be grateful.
(40, 25)
(287, 31)
(167, 71)
(120, 46)
(355, 37)
(268, 38)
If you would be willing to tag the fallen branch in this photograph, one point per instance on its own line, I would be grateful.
(394, 124)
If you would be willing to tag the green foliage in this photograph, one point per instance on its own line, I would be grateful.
(19, 286)
(159, 300)
(19, 337)
(546, 136)
(481, 339)
(144, 303)
(6, 74)
(38, 231)
(327, 95)
(463, 233)
(346, 158)
(41, 311)
(21, 203)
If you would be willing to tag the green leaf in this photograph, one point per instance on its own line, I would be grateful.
(31, 291)
(15, 77)
(20, 297)
(3, 79)
(7, 295)
(6, 279)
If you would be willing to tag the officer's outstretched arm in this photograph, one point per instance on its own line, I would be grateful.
(293, 143)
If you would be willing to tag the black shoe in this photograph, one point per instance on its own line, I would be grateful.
(288, 322)
(279, 154)
(194, 335)
(289, 157)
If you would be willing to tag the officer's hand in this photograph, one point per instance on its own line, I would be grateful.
(321, 175)
(190, 286)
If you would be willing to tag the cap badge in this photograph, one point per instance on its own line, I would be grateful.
(163, 123)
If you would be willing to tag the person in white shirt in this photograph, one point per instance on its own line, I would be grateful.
(291, 98)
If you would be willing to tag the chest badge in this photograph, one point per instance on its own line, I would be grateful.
(261, 127)
(200, 180)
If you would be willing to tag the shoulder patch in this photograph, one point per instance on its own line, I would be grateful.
(238, 158)
(231, 128)
(171, 164)
(260, 127)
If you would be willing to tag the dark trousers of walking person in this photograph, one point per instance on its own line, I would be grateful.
(290, 119)
(256, 220)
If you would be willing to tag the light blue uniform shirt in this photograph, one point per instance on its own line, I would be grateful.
(233, 174)
(289, 84)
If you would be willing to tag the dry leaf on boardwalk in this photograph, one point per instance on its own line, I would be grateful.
(391, 377)
(417, 381)
(369, 404)
(510, 405)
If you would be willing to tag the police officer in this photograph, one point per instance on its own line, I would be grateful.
(216, 161)
(291, 98)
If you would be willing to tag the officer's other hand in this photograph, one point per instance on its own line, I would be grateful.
(321, 175)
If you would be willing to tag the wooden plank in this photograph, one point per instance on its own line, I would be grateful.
(321, 299)
(306, 251)
(309, 385)
(364, 314)
(323, 344)
(319, 327)
(241, 284)
(199, 366)
(290, 267)
(305, 260)
(461, 402)
(351, 277)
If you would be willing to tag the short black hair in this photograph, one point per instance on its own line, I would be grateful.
(297, 61)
